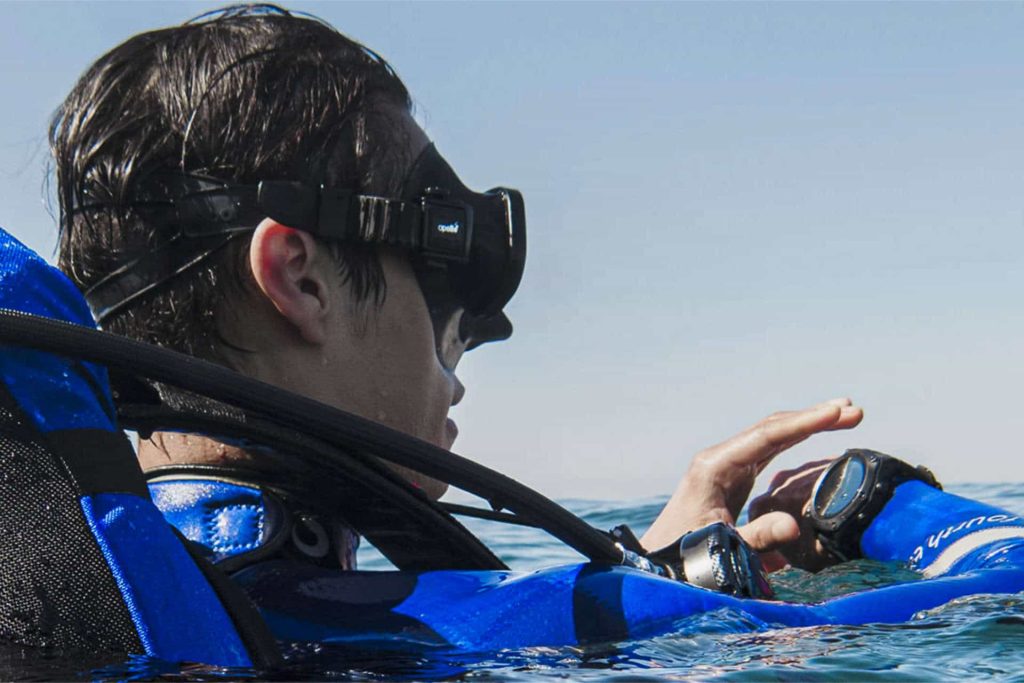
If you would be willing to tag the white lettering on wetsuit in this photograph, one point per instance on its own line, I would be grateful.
(964, 545)
(449, 228)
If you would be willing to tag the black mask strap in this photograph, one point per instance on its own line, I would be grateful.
(205, 214)
(143, 275)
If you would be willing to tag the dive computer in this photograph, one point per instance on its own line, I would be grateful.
(852, 491)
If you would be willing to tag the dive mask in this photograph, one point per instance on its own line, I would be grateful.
(468, 248)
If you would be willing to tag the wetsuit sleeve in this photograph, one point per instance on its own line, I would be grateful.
(86, 560)
(962, 546)
(938, 533)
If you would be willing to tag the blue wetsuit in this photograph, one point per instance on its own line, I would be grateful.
(963, 546)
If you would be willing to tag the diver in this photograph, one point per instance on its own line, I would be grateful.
(363, 326)
(250, 188)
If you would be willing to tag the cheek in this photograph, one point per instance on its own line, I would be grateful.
(415, 390)
(433, 394)
(419, 389)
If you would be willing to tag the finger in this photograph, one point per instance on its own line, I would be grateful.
(849, 418)
(770, 531)
(799, 478)
(769, 438)
(841, 402)
(837, 402)
(849, 415)
(757, 445)
(846, 421)
(783, 475)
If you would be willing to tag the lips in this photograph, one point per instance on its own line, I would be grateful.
(451, 431)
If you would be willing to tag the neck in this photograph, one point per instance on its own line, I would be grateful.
(172, 448)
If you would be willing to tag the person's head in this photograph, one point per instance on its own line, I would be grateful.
(241, 97)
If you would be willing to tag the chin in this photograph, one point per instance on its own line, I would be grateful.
(433, 488)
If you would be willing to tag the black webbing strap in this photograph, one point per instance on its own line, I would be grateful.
(252, 629)
(150, 272)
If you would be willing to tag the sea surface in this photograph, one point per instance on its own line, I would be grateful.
(979, 637)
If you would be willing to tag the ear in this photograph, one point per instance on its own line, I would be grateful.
(286, 268)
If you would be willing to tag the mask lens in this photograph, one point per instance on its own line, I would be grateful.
(839, 488)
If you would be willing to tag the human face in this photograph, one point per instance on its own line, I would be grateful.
(384, 364)
(395, 364)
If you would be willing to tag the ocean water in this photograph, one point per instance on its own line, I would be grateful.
(976, 637)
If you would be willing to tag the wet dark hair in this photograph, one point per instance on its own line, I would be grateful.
(242, 94)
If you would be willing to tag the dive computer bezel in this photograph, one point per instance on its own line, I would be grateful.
(840, 533)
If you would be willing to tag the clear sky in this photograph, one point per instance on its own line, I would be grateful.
(733, 209)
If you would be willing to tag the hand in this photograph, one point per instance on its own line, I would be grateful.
(720, 479)
(790, 493)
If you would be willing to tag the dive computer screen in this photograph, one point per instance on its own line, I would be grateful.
(840, 487)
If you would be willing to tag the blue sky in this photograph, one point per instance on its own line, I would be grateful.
(733, 209)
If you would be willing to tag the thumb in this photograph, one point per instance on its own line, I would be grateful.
(769, 531)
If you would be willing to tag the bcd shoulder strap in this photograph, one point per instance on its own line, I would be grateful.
(86, 559)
